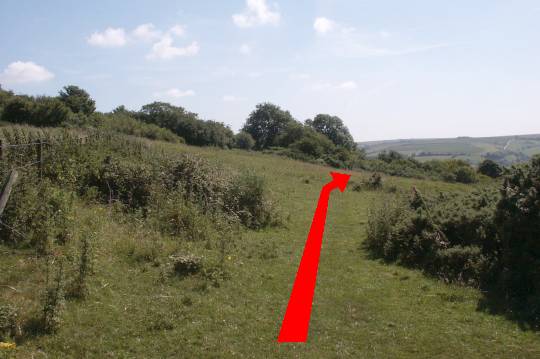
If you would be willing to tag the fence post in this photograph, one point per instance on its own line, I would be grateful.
(1, 150)
(6, 191)
(40, 157)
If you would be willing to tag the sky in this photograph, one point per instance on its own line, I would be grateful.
(388, 69)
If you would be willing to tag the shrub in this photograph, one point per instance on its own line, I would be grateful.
(184, 265)
(42, 212)
(8, 322)
(517, 217)
(244, 141)
(53, 298)
(123, 123)
(490, 168)
(247, 199)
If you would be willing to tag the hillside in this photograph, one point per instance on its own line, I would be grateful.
(505, 150)
(362, 307)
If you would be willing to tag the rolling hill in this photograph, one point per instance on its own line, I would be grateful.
(505, 150)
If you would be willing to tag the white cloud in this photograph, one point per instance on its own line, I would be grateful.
(245, 49)
(348, 85)
(111, 37)
(19, 72)
(174, 93)
(177, 30)
(323, 25)
(165, 50)
(146, 32)
(256, 13)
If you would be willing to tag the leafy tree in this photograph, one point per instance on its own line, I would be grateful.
(243, 140)
(77, 99)
(265, 123)
(18, 110)
(313, 144)
(187, 125)
(490, 168)
(333, 128)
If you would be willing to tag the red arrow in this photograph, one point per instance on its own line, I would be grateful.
(296, 322)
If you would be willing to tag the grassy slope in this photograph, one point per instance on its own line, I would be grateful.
(362, 308)
(467, 148)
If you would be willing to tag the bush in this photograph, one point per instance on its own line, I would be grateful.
(244, 141)
(184, 265)
(452, 238)
(8, 322)
(247, 199)
(122, 123)
(490, 168)
(517, 217)
(42, 212)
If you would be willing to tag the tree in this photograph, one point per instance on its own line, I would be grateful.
(40, 111)
(490, 168)
(244, 141)
(77, 99)
(19, 109)
(333, 128)
(187, 125)
(265, 123)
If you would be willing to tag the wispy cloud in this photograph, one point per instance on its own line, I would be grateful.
(20, 72)
(110, 37)
(323, 25)
(256, 13)
(165, 50)
(146, 32)
(346, 41)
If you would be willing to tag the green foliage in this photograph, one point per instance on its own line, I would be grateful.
(452, 238)
(184, 265)
(518, 218)
(395, 164)
(187, 125)
(37, 215)
(333, 128)
(247, 199)
(40, 111)
(77, 100)
(244, 141)
(265, 123)
(53, 297)
(490, 168)
(126, 124)
(8, 322)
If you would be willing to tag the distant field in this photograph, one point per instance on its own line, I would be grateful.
(505, 149)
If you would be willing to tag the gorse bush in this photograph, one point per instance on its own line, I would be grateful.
(518, 220)
(483, 238)
(452, 238)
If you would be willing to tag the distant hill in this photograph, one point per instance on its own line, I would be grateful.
(505, 150)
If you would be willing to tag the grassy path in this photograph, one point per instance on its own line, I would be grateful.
(362, 308)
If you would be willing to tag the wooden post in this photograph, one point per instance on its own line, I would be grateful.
(6, 191)
(40, 157)
(1, 150)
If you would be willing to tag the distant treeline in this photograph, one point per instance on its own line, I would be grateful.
(324, 139)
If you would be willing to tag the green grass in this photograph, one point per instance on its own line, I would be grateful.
(472, 149)
(362, 308)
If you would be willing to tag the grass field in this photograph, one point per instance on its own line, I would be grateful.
(362, 308)
(504, 149)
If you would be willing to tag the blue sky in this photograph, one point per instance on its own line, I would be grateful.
(389, 69)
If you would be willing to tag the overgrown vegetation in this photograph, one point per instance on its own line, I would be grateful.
(482, 239)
